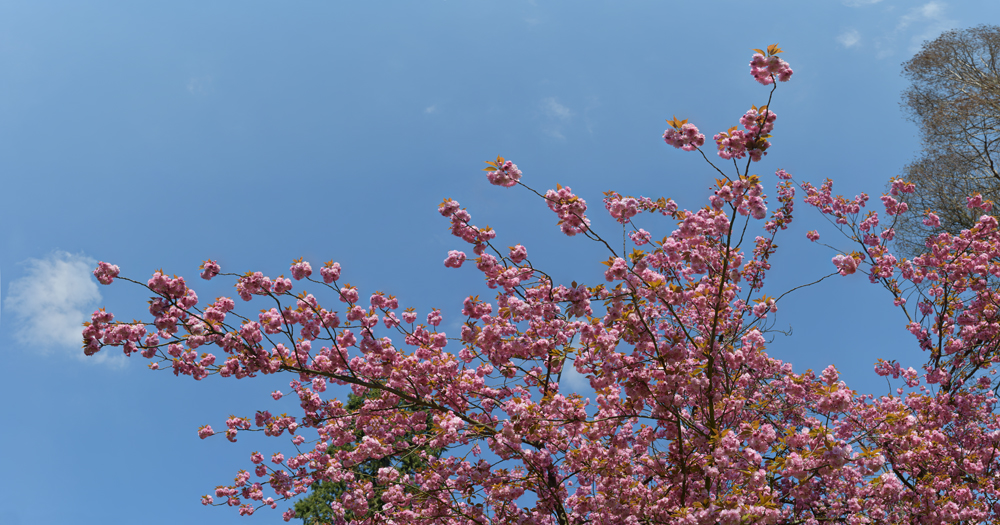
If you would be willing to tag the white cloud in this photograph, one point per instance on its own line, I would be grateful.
(849, 38)
(557, 115)
(918, 24)
(553, 108)
(916, 14)
(936, 22)
(932, 10)
(51, 301)
(430, 109)
(860, 3)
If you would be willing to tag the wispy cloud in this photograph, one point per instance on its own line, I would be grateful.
(860, 3)
(928, 11)
(555, 133)
(931, 20)
(51, 301)
(430, 109)
(556, 116)
(914, 26)
(553, 108)
(849, 38)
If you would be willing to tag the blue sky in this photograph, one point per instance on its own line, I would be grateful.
(159, 135)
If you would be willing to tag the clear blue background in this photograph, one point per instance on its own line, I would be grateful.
(161, 134)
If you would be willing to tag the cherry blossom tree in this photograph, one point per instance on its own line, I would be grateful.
(692, 422)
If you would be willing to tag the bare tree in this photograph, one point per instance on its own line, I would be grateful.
(954, 98)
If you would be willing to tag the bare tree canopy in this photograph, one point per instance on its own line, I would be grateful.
(954, 98)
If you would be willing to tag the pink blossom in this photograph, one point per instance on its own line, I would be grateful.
(893, 206)
(209, 269)
(106, 272)
(570, 208)
(330, 272)
(349, 294)
(356, 313)
(617, 269)
(622, 208)
(448, 207)
(762, 308)
(640, 237)
(252, 283)
(390, 320)
(846, 264)
(506, 174)
(976, 202)
(901, 186)
(686, 137)
(301, 269)
(517, 254)
(281, 285)
(455, 259)
(205, 431)
(765, 69)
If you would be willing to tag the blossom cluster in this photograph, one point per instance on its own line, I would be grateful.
(623, 208)
(570, 208)
(460, 227)
(751, 140)
(503, 173)
(684, 136)
(745, 195)
(765, 69)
